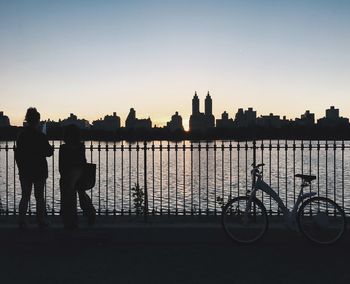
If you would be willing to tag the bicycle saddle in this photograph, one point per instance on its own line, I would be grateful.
(307, 178)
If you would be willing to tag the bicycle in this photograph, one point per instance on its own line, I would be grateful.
(319, 219)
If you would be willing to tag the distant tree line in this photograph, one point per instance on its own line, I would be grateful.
(290, 132)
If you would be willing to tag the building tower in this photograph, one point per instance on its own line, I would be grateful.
(195, 104)
(208, 105)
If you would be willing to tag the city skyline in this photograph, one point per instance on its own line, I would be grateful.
(94, 58)
(197, 120)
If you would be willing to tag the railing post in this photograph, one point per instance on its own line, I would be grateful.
(254, 152)
(145, 179)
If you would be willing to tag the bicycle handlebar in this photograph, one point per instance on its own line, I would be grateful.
(258, 165)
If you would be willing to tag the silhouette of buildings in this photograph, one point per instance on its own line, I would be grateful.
(225, 122)
(109, 123)
(175, 124)
(271, 121)
(245, 118)
(332, 119)
(132, 122)
(73, 120)
(4, 120)
(202, 121)
(306, 120)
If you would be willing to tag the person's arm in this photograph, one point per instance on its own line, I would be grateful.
(48, 149)
(19, 151)
(83, 153)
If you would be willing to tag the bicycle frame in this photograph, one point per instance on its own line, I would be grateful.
(289, 216)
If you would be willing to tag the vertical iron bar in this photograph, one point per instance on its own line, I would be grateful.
(114, 179)
(184, 175)
(278, 173)
(238, 164)
(199, 178)
(262, 161)
(310, 162)
(334, 176)
(326, 168)
(122, 178)
(342, 174)
(99, 177)
(246, 165)
(129, 178)
(91, 149)
(7, 178)
(230, 149)
(145, 179)
(53, 180)
(153, 206)
(215, 190)
(107, 150)
(270, 168)
(14, 179)
(286, 170)
(137, 162)
(223, 169)
(176, 174)
(191, 149)
(294, 148)
(318, 167)
(168, 173)
(207, 174)
(161, 176)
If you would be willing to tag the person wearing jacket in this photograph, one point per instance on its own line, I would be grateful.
(71, 165)
(32, 148)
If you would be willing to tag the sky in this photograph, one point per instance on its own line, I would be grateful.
(92, 58)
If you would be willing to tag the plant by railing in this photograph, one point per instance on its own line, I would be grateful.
(138, 196)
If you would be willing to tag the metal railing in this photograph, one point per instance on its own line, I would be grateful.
(190, 178)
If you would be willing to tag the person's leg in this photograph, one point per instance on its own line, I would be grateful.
(26, 187)
(87, 206)
(39, 188)
(68, 202)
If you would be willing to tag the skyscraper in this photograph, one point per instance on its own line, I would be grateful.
(195, 104)
(208, 105)
(202, 121)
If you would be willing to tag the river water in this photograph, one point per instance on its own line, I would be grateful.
(189, 181)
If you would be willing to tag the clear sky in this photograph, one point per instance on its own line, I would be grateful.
(96, 57)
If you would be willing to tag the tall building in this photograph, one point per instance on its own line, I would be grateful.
(109, 123)
(73, 120)
(175, 123)
(4, 120)
(225, 122)
(306, 119)
(195, 104)
(245, 118)
(132, 122)
(332, 119)
(202, 121)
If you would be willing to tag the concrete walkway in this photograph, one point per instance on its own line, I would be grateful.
(126, 250)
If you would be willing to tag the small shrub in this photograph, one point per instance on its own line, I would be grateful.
(138, 199)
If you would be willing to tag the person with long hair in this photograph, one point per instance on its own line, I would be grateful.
(32, 148)
(71, 164)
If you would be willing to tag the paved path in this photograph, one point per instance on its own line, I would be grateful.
(165, 253)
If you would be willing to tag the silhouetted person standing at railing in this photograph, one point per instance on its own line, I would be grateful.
(32, 148)
(71, 164)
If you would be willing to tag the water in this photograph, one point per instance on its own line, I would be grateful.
(189, 182)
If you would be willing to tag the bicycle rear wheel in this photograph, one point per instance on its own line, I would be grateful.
(242, 225)
(321, 220)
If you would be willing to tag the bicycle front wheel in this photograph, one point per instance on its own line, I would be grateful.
(244, 222)
(321, 220)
